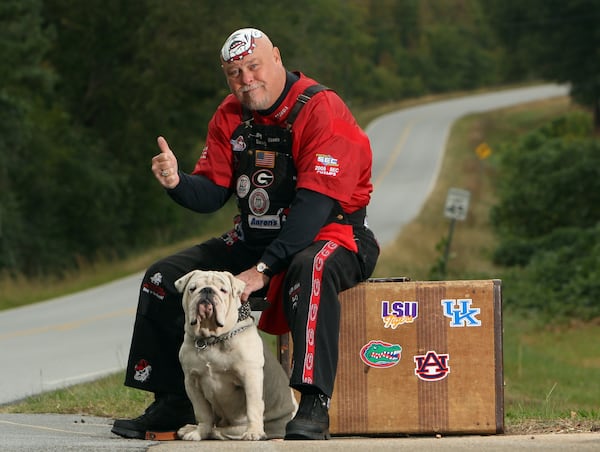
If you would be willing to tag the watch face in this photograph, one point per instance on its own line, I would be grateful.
(261, 267)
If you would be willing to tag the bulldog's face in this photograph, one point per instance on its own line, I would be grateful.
(211, 300)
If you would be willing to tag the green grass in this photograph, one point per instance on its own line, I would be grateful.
(551, 374)
(18, 291)
(104, 397)
(414, 251)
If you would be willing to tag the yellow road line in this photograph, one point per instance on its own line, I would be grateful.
(67, 325)
(40, 427)
(394, 155)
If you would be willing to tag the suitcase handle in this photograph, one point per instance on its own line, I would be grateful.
(390, 279)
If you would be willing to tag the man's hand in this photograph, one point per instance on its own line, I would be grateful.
(164, 165)
(254, 281)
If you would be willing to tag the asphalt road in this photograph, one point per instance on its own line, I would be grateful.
(84, 336)
(59, 433)
(68, 340)
(408, 147)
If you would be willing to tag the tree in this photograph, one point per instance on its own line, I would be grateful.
(561, 187)
(548, 219)
(87, 87)
(25, 83)
(558, 40)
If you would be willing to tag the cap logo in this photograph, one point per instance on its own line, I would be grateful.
(240, 44)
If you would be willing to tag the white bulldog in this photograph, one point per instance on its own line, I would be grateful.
(237, 387)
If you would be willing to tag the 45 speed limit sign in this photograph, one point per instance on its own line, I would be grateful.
(457, 204)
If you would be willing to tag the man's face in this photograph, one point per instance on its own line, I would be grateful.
(257, 79)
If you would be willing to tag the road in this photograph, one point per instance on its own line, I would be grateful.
(408, 147)
(68, 340)
(59, 433)
(83, 336)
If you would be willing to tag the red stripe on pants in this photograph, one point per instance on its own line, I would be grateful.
(313, 309)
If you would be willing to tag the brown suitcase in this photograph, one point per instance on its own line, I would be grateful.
(418, 357)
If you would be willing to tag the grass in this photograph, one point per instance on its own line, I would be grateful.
(18, 291)
(473, 239)
(552, 371)
(551, 374)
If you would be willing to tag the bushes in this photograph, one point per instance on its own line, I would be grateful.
(548, 220)
(559, 281)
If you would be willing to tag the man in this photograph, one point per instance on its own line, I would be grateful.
(300, 168)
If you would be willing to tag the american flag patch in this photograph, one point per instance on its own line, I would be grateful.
(265, 159)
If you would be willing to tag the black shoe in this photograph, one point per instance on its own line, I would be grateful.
(168, 412)
(311, 420)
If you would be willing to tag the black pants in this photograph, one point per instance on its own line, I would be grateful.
(313, 281)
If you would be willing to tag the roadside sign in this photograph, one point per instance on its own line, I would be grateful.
(457, 204)
(483, 151)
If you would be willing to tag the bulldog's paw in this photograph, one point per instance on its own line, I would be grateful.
(254, 435)
(191, 432)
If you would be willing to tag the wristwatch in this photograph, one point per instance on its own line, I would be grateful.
(263, 268)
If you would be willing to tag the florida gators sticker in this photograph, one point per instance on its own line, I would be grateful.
(380, 354)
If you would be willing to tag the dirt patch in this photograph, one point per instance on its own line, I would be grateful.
(536, 426)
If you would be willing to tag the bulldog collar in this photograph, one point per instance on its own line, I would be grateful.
(244, 311)
(202, 343)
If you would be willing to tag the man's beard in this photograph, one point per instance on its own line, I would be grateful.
(247, 96)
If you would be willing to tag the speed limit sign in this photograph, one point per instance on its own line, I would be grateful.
(457, 204)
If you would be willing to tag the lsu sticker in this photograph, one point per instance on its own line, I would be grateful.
(153, 287)
(432, 366)
(395, 313)
(327, 165)
(380, 354)
(461, 313)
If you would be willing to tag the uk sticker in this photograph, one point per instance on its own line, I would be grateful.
(380, 354)
(396, 313)
(432, 366)
(461, 313)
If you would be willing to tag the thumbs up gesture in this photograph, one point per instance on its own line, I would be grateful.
(164, 165)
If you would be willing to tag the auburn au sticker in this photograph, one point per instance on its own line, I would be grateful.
(380, 354)
(432, 366)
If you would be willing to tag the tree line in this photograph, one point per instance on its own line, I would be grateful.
(87, 86)
(547, 220)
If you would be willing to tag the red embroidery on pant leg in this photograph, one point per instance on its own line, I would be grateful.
(313, 309)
